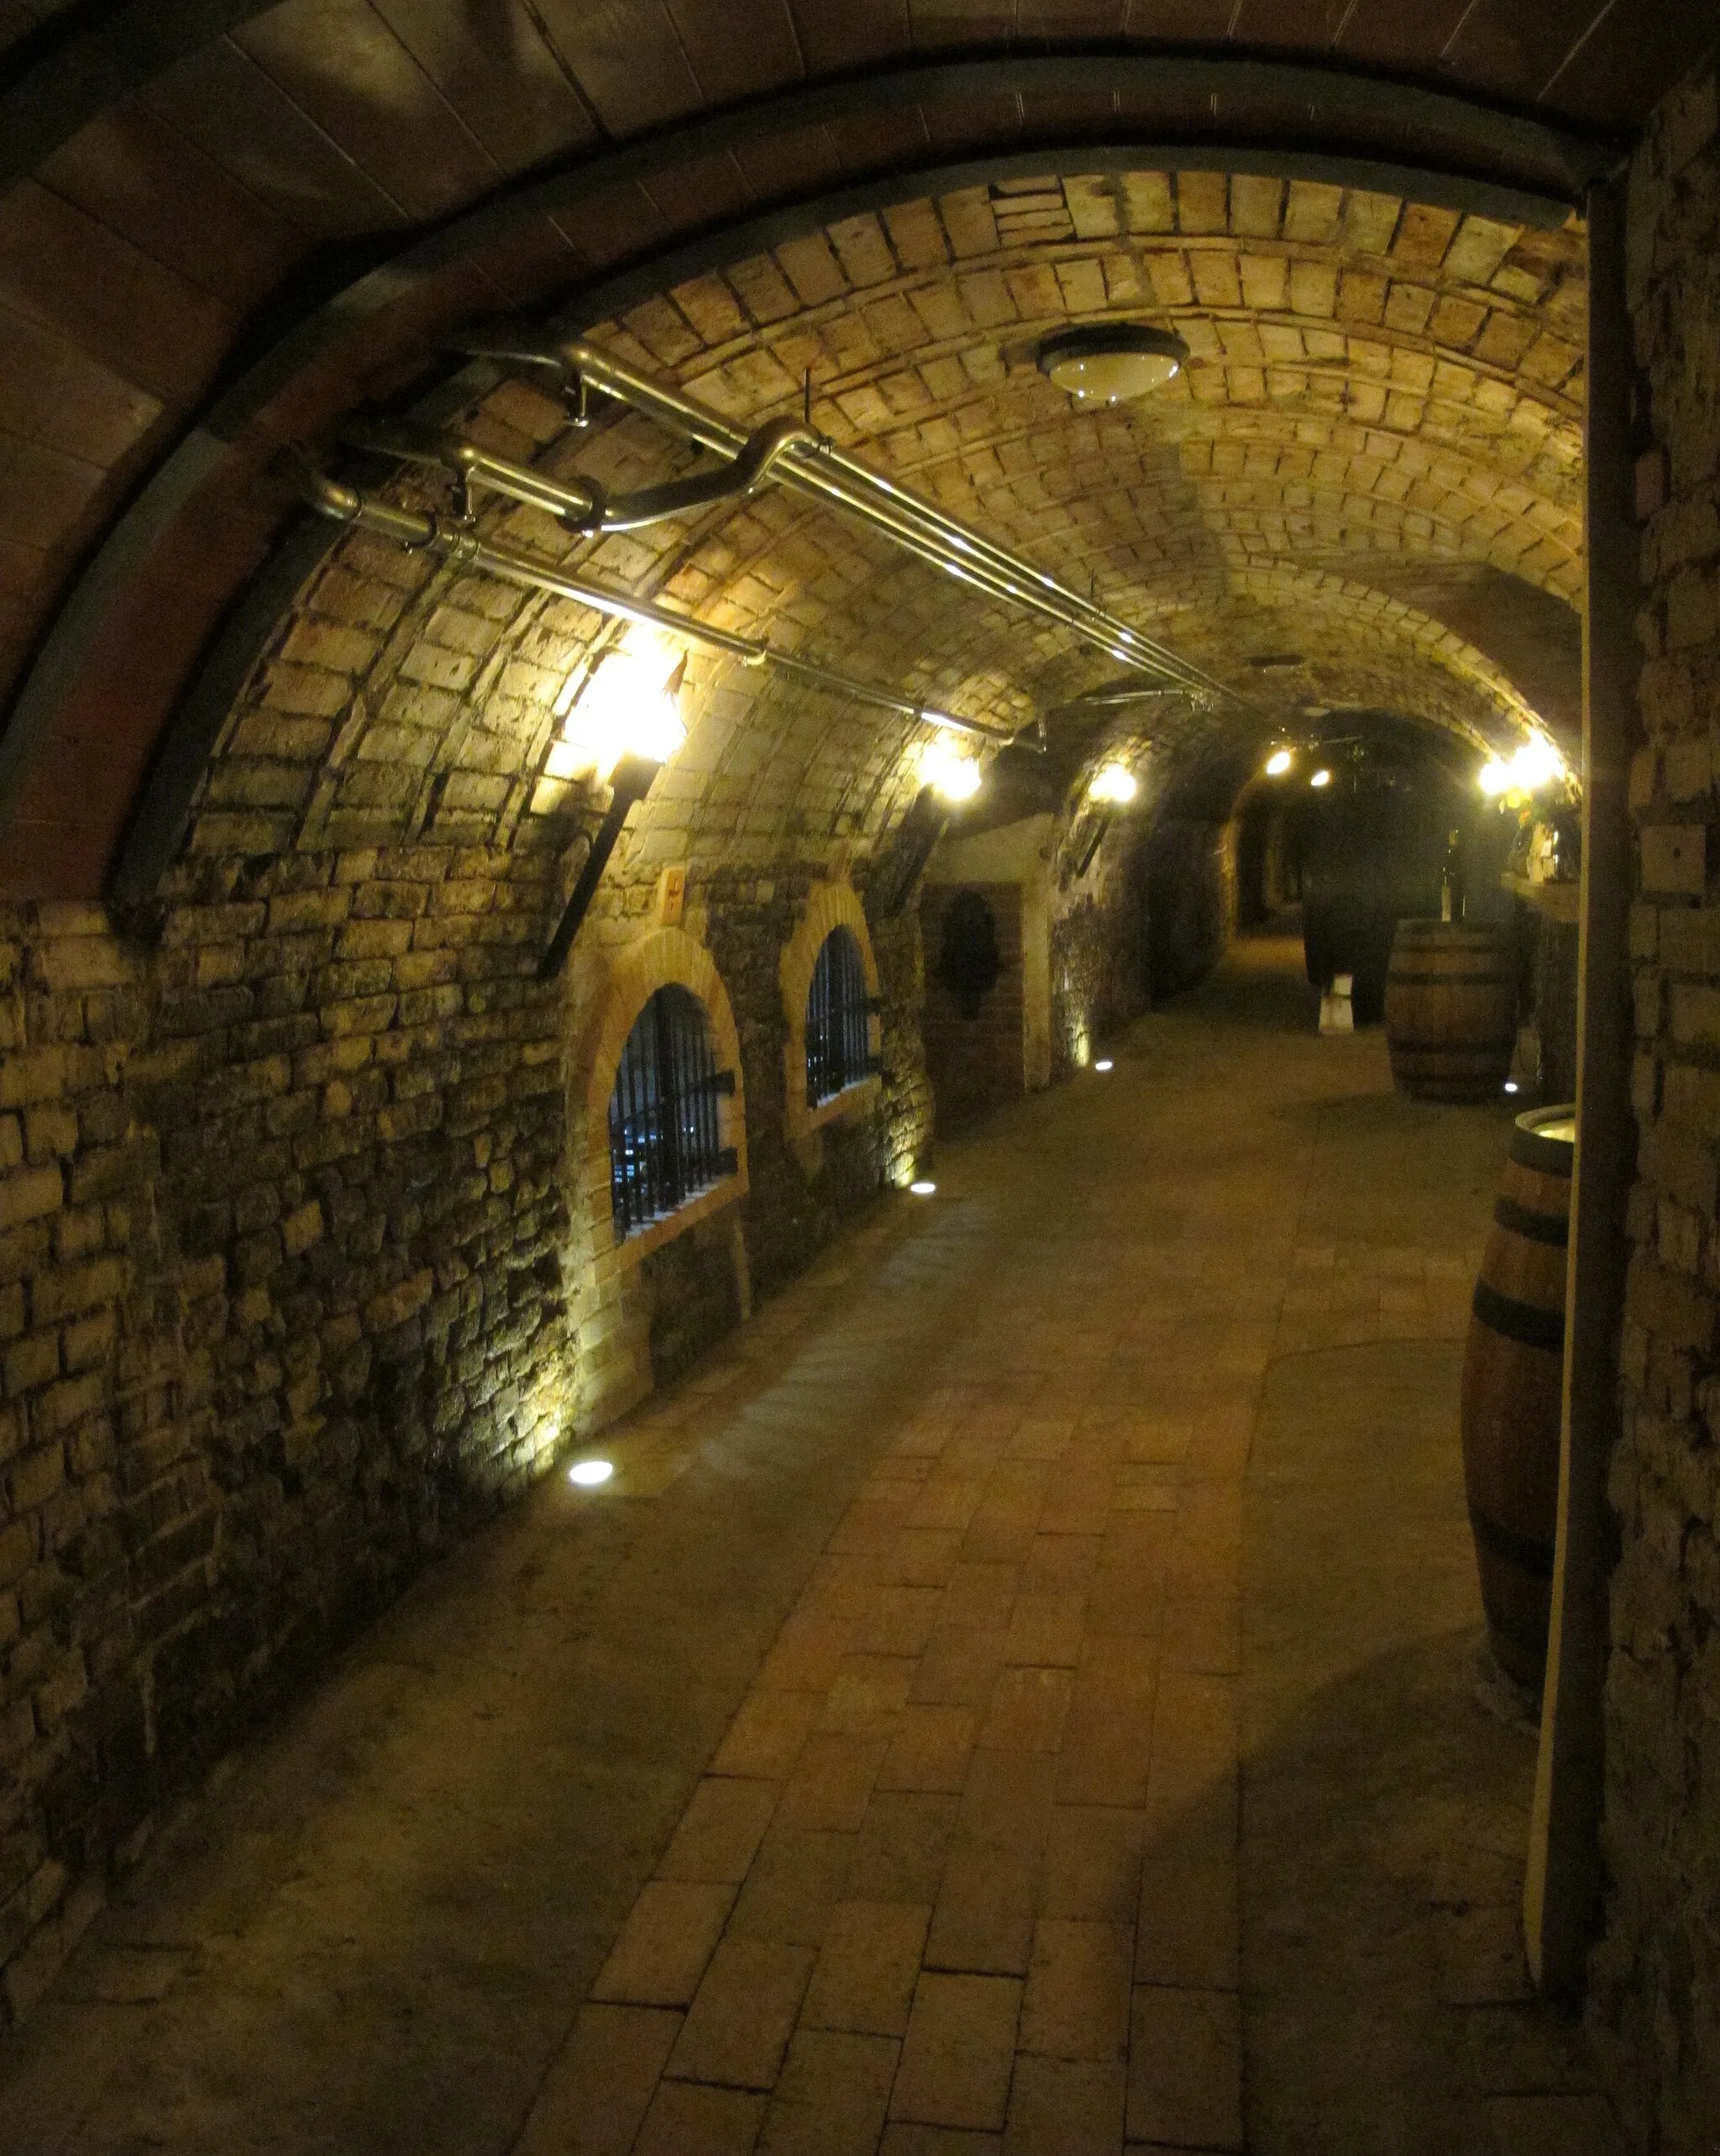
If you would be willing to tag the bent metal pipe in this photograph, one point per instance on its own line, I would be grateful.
(424, 533)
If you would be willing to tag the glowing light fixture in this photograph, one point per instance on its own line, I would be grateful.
(1511, 1085)
(1112, 362)
(1102, 1064)
(624, 726)
(1278, 762)
(1114, 785)
(1495, 776)
(1535, 764)
(923, 1188)
(589, 1474)
(626, 707)
(1321, 778)
(948, 772)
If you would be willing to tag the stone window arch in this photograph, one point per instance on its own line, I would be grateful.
(830, 907)
(665, 1137)
(668, 959)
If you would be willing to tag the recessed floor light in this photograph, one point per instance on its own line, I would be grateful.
(589, 1473)
(1511, 1085)
(1102, 1064)
(922, 1189)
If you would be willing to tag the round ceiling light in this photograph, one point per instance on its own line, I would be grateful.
(1112, 362)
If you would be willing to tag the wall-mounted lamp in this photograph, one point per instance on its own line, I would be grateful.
(1536, 764)
(625, 726)
(1278, 762)
(950, 775)
(1112, 787)
(1321, 778)
(1112, 362)
(1115, 785)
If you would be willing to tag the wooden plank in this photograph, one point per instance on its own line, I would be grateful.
(1404, 34)
(345, 67)
(224, 102)
(1509, 50)
(692, 194)
(54, 393)
(1308, 26)
(66, 271)
(145, 182)
(498, 73)
(793, 162)
(1199, 22)
(1617, 77)
(938, 25)
(627, 59)
(738, 50)
(839, 33)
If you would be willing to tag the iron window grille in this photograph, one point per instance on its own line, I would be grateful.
(838, 1015)
(665, 1141)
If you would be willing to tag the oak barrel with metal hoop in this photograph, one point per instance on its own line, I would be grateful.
(1513, 1369)
(1450, 1009)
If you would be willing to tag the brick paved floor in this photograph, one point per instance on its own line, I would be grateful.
(946, 1850)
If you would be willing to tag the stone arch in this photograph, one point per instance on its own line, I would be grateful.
(611, 1314)
(829, 906)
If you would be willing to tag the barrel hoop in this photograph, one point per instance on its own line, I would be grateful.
(1546, 1156)
(1522, 1322)
(1484, 1054)
(1550, 1228)
(1396, 979)
(1527, 1552)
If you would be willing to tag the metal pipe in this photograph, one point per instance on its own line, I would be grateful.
(819, 469)
(424, 533)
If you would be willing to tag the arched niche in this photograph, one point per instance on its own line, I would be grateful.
(829, 906)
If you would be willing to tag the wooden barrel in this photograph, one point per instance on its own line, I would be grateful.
(1450, 1009)
(1512, 1367)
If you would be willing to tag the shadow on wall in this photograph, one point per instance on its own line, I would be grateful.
(1188, 872)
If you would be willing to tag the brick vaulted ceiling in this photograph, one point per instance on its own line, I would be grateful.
(226, 227)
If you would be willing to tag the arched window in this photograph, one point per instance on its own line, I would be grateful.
(664, 1130)
(838, 1045)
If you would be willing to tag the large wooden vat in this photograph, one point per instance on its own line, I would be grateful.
(1513, 1368)
(1450, 1009)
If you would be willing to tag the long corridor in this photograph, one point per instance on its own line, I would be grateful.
(1022, 1694)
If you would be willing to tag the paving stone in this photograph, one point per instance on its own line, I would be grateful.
(1065, 2107)
(931, 1749)
(1076, 2003)
(686, 2119)
(1185, 2069)
(595, 2097)
(902, 1848)
(1092, 1864)
(958, 2052)
(719, 1835)
(1189, 1927)
(738, 2026)
(867, 1967)
(795, 1880)
(660, 1955)
(832, 2095)
(765, 1739)
(832, 1782)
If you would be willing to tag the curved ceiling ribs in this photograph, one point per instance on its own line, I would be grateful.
(1385, 376)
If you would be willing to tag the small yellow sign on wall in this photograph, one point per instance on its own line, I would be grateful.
(671, 897)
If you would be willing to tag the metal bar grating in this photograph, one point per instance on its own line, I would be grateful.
(664, 1128)
(838, 1053)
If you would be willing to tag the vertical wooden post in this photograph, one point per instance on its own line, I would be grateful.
(1562, 1897)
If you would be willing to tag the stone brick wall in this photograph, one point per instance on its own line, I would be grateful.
(281, 1307)
(975, 1058)
(1656, 1992)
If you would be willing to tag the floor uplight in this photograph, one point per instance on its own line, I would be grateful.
(1102, 1064)
(922, 1189)
(1321, 778)
(589, 1473)
(1511, 1085)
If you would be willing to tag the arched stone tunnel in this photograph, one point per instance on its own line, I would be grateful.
(310, 1245)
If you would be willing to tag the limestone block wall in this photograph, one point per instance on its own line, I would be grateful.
(1656, 1992)
(280, 1302)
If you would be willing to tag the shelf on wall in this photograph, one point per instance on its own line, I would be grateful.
(1558, 901)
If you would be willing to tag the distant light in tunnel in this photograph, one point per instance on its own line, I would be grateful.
(1321, 778)
(1102, 1064)
(1278, 762)
(923, 1189)
(1511, 1085)
(1114, 783)
(590, 1473)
